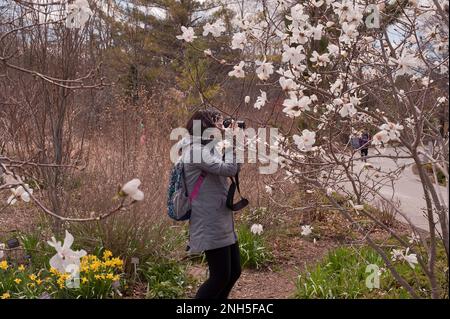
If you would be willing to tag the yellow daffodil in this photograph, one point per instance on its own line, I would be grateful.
(84, 280)
(39, 281)
(6, 295)
(54, 271)
(31, 285)
(107, 254)
(109, 276)
(17, 280)
(97, 277)
(21, 268)
(3, 265)
(116, 278)
(32, 277)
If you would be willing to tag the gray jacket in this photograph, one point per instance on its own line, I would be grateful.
(211, 224)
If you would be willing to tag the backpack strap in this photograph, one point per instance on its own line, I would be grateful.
(197, 185)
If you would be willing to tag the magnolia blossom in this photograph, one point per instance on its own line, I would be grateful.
(264, 70)
(317, 32)
(238, 70)
(392, 130)
(215, 29)
(268, 189)
(406, 63)
(260, 100)
(131, 189)
(348, 109)
(20, 192)
(247, 99)
(293, 55)
(239, 41)
(294, 106)
(319, 59)
(256, 229)
(188, 34)
(411, 259)
(306, 230)
(306, 141)
(287, 84)
(65, 256)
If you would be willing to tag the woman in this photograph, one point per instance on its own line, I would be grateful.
(211, 225)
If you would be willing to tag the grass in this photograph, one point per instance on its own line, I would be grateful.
(342, 275)
(166, 279)
(254, 251)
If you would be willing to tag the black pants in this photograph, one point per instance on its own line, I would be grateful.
(364, 152)
(224, 270)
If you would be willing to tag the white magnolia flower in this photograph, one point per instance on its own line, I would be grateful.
(287, 84)
(264, 70)
(295, 106)
(20, 192)
(411, 259)
(305, 141)
(349, 32)
(65, 256)
(333, 49)
(306, 230)
(2, 252)
(239, 41)
(380, 137)
(406, 63)
(238, 70)
(207, 52)
(392, 130)
(188, 34)
(293, 55)
(247, 99)
(215, 29)
(269, 189)
(330, 191)
(348, 109)
(256, 229)
(260, 100)
(317, 32)
(131, 189)
(319, 59)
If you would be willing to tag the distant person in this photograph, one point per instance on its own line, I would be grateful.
(364, 142)
(354, 142)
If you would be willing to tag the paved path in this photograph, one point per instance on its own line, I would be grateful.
(408, 188)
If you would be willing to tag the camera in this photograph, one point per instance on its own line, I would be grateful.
(227, 122)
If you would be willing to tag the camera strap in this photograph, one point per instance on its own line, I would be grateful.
(230, 197)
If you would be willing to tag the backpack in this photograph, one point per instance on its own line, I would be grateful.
(179, 202)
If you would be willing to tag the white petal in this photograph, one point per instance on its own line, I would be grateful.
(138, 195)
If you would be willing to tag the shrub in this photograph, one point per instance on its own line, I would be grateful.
(253, 250)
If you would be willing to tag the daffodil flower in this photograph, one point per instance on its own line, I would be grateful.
(65, 256)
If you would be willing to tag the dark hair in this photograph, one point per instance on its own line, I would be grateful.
(207, 117)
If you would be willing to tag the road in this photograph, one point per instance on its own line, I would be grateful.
(408, 188)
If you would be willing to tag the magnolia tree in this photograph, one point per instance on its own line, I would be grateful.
(345, 67)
